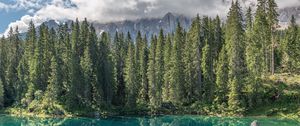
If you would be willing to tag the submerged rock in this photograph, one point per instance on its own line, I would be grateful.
(254, 123)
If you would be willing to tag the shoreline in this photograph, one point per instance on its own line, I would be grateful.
(35, 115)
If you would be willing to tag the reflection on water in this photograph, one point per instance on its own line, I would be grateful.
(143, 121)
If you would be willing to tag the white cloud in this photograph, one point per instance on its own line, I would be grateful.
(116, 10)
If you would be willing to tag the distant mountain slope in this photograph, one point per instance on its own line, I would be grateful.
(168, 22)
(147, 26)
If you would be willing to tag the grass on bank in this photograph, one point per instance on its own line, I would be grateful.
(287, 105)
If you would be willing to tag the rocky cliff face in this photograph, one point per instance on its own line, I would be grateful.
(168, 22)
(147, 26)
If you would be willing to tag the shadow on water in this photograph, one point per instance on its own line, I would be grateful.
(6, 120)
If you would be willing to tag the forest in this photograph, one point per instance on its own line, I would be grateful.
(213, 68)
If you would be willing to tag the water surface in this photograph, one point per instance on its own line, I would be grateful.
(6, 120)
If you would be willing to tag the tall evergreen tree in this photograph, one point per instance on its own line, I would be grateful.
(221, 98)
(131, 76)
(88, 65)
(177, 90)
(167, 69)
(234, 40)
(105, 68)
(291, 47)
(143, 94)
(272, 16)
(119, 54)
(195, 37)
(252, 49)
(12, 73)
(3, 64)
(156, 100)
(1, 94)
(54, 89)
(75, 91)
(151, 72)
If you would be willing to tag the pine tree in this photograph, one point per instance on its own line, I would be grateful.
(156, 101)
(12, 73)
(1, 94)
(36, 67)
(177, 90)
(26, 67)
(221, 80)
(151, 72)
(131, 75)
(272, 16)
(252, 61)
(119, 54)
(76, 83)
(261, 35)
(3, 62)
(88, 69)
(143, 94)
(234, 38)
(207, 71)
(54, 89)
(108, 68)
(195, 37)
(167, 69)
(218, 38)
(137, 54)
(189, 69)
(291, 47)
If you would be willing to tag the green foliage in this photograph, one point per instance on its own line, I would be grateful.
(177, 87)
(213, 68)
(143, 93)
(234, 44)
(1, 94)
(291, 48)
(167, 70)
(131, 76)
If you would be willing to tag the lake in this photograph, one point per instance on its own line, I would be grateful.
(6, 120)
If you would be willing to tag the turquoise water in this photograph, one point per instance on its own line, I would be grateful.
(6, 120)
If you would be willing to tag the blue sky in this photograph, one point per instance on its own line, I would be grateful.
(9, 16)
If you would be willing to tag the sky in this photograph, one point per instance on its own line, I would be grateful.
(20, 12)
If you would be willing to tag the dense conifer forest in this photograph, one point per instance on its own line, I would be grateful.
(213, 68)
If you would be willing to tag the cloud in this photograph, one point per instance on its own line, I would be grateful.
(288, 3)
(116, 10)
(23, 4)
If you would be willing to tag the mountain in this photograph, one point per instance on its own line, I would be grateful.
(168, 22)
(147, 26)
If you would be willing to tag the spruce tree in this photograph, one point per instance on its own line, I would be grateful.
(151, 72)
(272, 16)
(291, 47)
(88, 70)
(207, 71)
(54, 89)
(76, 83)
(177, 90)
(261, 36)
(234, 40)
(1, 94)
(12, 73)
(119, 55)
(221, 98)
(167, 69)
(195, 37)
(159, 70)
(131, 75)
(143, 94)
